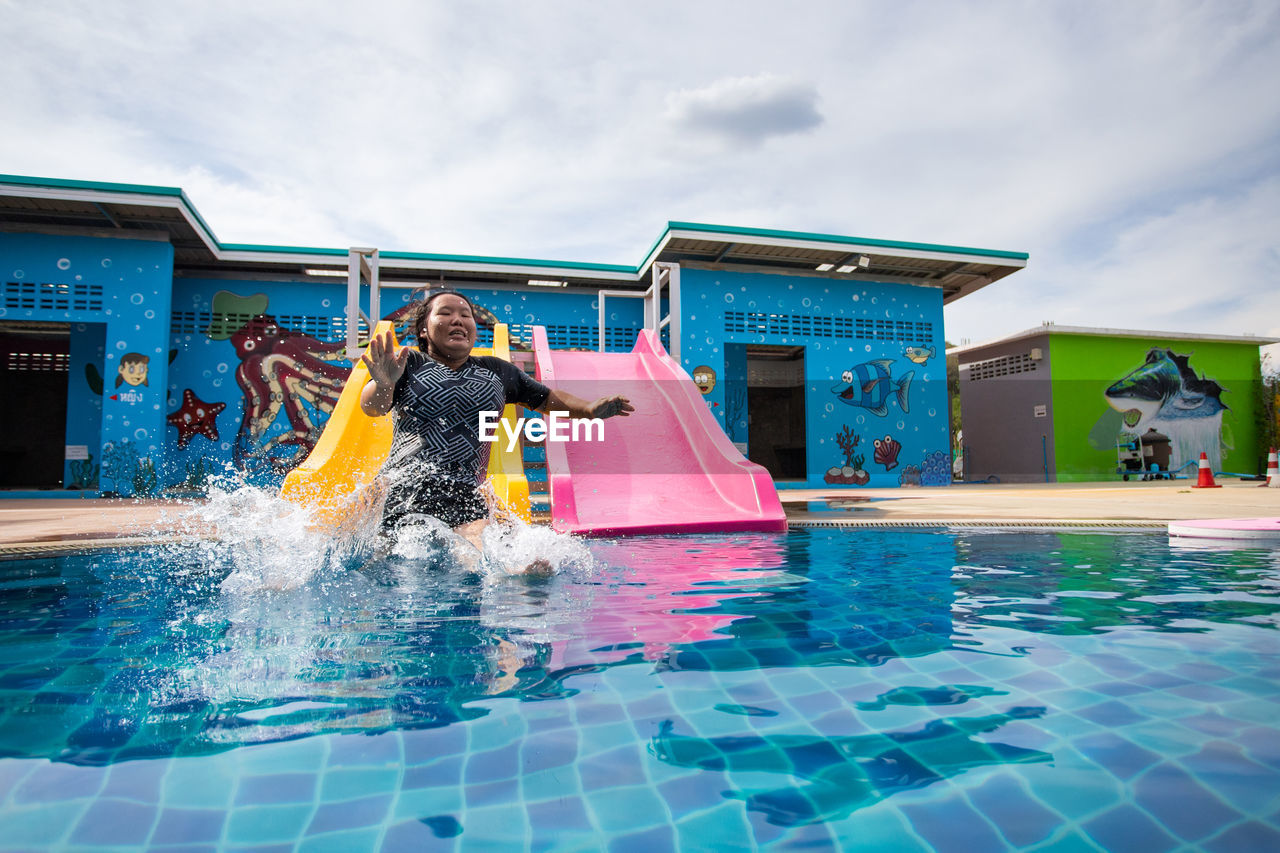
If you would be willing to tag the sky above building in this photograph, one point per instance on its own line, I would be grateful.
(1131, 148)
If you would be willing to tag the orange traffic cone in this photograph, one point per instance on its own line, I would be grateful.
(1206, 474)
(1273, 470)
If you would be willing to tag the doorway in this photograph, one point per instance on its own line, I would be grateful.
(775, 410)
(35, 359)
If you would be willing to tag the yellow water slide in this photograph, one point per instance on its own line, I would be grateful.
(338, 480)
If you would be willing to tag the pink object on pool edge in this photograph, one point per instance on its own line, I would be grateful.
(1227, 528)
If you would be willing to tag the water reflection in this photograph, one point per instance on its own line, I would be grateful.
(119, 656)
(1073, 583)
(843, 774)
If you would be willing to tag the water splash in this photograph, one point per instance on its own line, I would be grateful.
(263, 543)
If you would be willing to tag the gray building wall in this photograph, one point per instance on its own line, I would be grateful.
(1006, 412)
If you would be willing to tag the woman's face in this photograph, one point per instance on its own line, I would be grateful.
(450, 327)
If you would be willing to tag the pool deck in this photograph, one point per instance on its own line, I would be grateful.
(34, 526)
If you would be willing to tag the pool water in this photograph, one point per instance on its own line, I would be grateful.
(827, 688)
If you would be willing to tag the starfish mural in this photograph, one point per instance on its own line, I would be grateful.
(195, 417)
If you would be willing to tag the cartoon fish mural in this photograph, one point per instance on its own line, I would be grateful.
(1166, 394)
(920, 355)
(870, 385)
(886, 452)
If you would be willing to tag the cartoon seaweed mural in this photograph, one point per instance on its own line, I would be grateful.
(84, 474)
(735, 412)
(852, 473)
(196, 481)
(129, 473)
(144, 477)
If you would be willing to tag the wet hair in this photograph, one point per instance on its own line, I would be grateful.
(418, 313)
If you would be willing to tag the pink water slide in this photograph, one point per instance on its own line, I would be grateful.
(667, 468)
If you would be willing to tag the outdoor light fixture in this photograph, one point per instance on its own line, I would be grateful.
(328, 273)
(824, 267)
(544, 282)
(859, 263)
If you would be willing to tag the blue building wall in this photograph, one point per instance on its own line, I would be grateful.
(123, 284)
(843, 326)
(84, 404)
(173, 380)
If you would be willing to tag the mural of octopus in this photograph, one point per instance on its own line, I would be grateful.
(281, 370)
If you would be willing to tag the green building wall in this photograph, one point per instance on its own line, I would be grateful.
(1086, 427)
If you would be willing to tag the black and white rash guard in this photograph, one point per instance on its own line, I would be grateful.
(436, 445)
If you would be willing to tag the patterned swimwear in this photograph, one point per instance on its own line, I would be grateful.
(437, 459)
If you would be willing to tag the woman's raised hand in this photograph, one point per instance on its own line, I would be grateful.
(608, 407)
(386, 363)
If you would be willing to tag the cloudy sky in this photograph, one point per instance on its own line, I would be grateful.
(1132, 148)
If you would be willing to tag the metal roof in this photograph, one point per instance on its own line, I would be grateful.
(165, 213)
(1053, 329)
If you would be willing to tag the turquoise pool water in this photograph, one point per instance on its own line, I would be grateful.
(821, 689)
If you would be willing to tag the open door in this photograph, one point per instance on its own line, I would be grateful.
(776, 411)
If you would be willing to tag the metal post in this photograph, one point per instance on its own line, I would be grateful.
(353, 303)
(375, 295)
(673, 310)
(362, 267)
(600, 320)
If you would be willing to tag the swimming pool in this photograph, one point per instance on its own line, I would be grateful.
(917, 690)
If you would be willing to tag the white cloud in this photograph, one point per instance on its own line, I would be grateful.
(1131, 153)
(745, 110)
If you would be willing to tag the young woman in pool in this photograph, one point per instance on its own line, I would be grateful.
(436, 394)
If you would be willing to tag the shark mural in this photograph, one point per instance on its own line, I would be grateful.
(1166, 394)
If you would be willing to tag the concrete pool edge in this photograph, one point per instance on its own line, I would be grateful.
(981, 523)
(72, 547)
(30, 528)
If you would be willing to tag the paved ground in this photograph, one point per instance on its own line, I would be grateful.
(1135, 501)
(59, 523)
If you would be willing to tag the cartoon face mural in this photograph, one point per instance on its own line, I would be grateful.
(705, 378)
(1166, 394)
(133, 369)
(870, 385)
